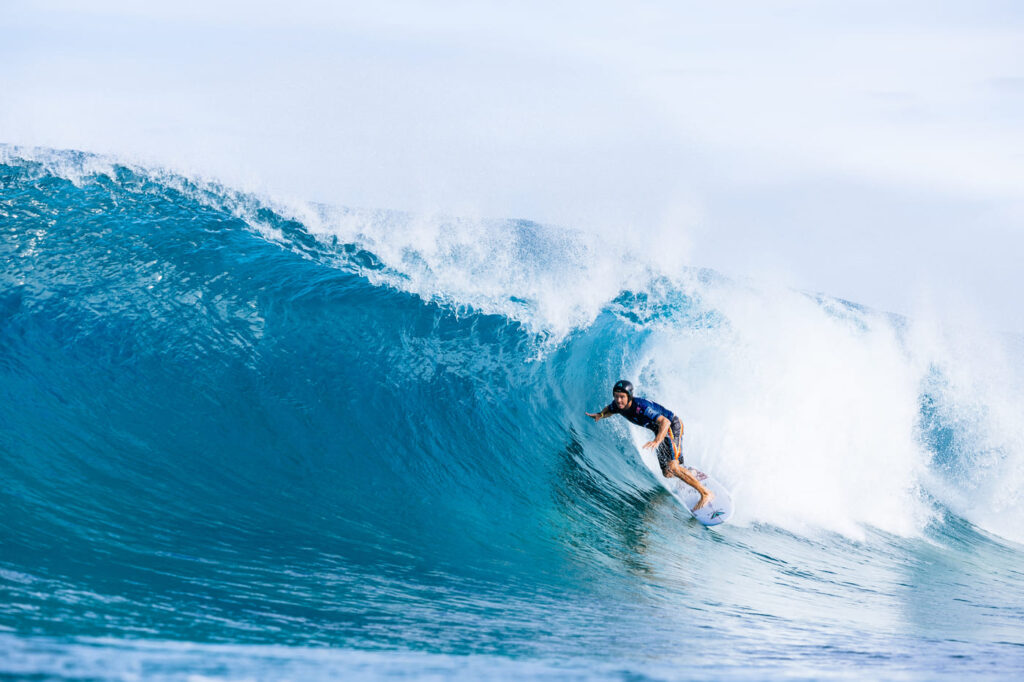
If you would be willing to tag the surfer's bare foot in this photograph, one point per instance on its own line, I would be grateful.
(704, 499)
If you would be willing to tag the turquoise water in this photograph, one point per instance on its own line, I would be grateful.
(243, 440)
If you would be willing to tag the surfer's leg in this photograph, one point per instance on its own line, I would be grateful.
(670, 457)
(666, 455)
(682, 473)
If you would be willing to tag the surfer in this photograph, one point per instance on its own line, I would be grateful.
(651, 415)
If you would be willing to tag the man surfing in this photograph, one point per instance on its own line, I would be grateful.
(651, 415)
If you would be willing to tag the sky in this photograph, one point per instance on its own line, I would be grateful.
(872, 151)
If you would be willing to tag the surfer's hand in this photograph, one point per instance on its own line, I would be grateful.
(651, 444)
(596, 416)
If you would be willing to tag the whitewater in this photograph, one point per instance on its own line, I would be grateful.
(246, 437)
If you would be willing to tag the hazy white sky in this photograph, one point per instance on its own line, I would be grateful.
(870, 150)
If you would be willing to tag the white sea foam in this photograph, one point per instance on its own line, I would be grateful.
(976, 382)
(812, 411)
(552, 280)
(810, 417)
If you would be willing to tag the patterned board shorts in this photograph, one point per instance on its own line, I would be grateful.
(672, 447)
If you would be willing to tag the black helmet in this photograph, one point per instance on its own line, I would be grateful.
(623, 386)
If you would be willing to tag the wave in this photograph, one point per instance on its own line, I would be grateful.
(209, 393)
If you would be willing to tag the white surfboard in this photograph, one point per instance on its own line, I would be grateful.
(717, 511)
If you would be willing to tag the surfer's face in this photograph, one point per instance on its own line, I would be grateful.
(620, 400)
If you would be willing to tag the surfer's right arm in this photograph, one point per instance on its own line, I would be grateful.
(598, 416)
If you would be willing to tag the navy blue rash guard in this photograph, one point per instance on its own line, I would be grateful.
(643, 412)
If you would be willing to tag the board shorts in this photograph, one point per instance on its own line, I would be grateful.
(672, 447)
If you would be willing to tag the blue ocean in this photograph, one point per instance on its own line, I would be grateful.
(244, 438)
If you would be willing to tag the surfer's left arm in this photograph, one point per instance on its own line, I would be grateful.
(663, 424)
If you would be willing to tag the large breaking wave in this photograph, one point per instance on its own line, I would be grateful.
(229, 403)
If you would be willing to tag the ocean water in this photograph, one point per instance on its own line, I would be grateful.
(244, 439)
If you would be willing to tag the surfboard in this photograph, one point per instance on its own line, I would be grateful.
(717, 511)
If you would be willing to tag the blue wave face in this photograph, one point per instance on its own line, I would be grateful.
(220, 426)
